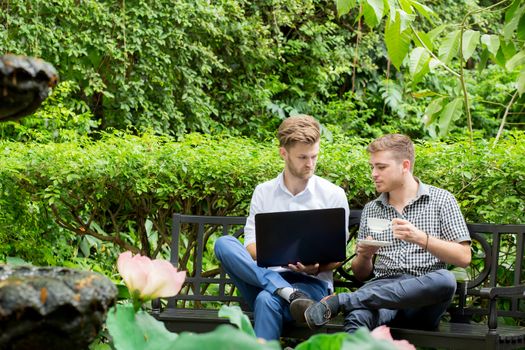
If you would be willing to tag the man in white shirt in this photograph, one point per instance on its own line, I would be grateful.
(269, 291)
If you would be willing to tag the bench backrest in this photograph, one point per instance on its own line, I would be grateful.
(188, 252)
(497, 260)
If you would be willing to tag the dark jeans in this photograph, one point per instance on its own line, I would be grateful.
(405, 301)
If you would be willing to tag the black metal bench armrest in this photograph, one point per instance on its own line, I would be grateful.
(494, 292)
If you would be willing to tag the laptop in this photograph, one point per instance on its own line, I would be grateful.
(305, 236)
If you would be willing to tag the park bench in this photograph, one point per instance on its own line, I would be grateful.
(481, 297)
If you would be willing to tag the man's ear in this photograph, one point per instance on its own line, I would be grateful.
(406, 165)
(282, 152)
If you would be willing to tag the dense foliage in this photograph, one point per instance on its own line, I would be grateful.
(177, 66)
(241, 66)
(451, 47)
(75, 198)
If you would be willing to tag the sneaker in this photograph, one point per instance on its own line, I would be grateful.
(318, 314)
(299, 302)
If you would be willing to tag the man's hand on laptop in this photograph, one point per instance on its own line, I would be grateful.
(314, 269)
(308, 269)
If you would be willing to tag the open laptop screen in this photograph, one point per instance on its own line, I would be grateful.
(305, 236)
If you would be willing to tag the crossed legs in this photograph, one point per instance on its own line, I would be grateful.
(417, 302)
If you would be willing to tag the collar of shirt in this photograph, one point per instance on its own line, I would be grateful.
(282, 186)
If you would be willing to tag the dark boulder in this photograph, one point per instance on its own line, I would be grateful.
(52, 307)
(24, 83)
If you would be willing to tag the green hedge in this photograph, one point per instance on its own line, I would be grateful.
(123, 189)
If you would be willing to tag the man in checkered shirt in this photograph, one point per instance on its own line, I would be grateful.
(410, 285)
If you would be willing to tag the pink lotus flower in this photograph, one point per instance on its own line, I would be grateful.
(383, 332)
(149, 279)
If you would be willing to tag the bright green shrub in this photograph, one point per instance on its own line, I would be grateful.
(123, 189)
(26, 230)
(113, 189)
(488, 181)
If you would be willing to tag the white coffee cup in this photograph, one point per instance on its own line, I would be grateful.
(377, 225)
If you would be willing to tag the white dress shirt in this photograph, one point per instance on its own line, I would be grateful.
(273, 196)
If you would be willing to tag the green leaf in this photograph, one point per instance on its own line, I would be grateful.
(419, 60)
(470, 42)
(324, 341)
(373, 12)
(434, 33)
(521, 28)
(511, 11)
(405, 19)
(516, 60)
(361, 339)
(85, 247)
(391, 8)
(452, 111)
(423, 10)
(344, 6)
(397, 42)
(138, 331)
(484, 58)
(406, 6)
(431, 113)
(508, 49)
(491, 42)
(392, 94)
(100, 346)
(223, 337)
(238, 318)
(426, 39)
(450, 46)
(122, 292)
(521, 82)
(512, 22)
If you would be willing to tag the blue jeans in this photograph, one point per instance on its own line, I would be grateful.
(404, 300)
(257, 286)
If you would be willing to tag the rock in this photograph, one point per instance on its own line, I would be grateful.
(52, 307)
(24, 83)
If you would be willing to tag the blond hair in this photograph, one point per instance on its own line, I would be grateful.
(400, 145)
(299, 128)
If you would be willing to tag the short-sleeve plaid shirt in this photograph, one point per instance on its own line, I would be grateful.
(434, 211)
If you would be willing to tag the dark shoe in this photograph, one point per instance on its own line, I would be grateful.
(320, 313)
(297, 294)
(299, 302)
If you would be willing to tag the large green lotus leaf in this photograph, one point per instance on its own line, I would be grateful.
(361, 340)
(238, 318)
(224, 337)
(138, 331)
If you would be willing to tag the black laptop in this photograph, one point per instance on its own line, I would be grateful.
(305, 236)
